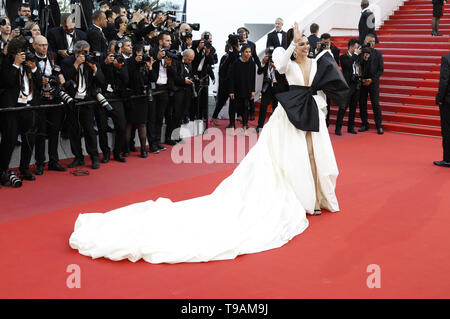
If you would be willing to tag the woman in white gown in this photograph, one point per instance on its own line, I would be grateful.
(261, 206)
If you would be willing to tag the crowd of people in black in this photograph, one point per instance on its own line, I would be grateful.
(140, 70)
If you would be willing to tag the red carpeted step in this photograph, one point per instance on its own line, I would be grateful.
(404, 31)
(400, 38)
(412, 66)
(411, 74)
(409, 82)
(411, 59)
(407, 99)
(408, 90)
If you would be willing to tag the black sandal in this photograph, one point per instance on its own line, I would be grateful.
(319, 212)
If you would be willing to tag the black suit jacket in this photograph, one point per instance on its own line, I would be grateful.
(313, 39)
(210, 60)
(347, 66)
(97, 39)
(374, 67)
(274, 41)
(10, 84)
(179, 74)
(92, 82)
(366, 25)
(335, 50)
(57, 38)
(443, 94)
(281, 78)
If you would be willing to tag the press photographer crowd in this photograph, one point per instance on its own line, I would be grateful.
(65, 74)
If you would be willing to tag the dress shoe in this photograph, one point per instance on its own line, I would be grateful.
(95, 163)
(55, 166)
(144, 154)
(119, 158)
(442, 163)
(363, 129)
(352, 131)
(106, 157)
(171, 142)
(26, 174)
(39, 170)
(154, 149)
(126, 154)
(161, 147)
(380, 131)
(76, 162)
(338, 132)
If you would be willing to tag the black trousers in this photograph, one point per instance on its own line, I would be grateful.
(49, 124)
(374, 91)
(199, 109)
(13, 124)
(222, 97)
(267, 98)
(118, 117)
(156, 117)
(353, 98)
(444, 110)
(81, 120)
(239, 105)
(181, 100)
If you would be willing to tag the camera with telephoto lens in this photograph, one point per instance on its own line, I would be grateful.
(173, 54)
(234, 39)
(149, 91)
(185, 35)
(323, 45)
(92, 57)
(102, 100)
(14, 180)
(194, 26)
(57, 90)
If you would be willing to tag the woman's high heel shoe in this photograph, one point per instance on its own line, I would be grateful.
(214, 122)
(317, 212)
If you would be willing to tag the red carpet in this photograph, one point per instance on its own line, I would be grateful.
(394, 213)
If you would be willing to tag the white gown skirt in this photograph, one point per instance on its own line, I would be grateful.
(261, 206)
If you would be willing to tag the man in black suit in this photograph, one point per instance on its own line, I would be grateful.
(273, 83)
(95, 36)
(87, 77)
(21, 10)
(243, 41)
(443, 100)
(351, 70)
(23, 85)
(277, 38)
(372, 68)
(437, 14)
(205, 58)
(61, 40)
(313, 39)
(366, 22)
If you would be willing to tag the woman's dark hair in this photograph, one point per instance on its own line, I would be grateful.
(245, 47)
(118, 22)
(15, 46)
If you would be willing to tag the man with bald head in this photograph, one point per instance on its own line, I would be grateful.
(181, 70)
(48, 120)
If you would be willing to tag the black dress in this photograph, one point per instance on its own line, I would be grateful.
(437, 8)
(136, 110)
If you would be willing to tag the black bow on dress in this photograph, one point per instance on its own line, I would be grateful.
(298, 102)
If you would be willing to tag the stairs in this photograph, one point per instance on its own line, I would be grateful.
(410, 80)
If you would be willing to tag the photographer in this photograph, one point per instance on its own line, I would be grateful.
(6, 33)
(273, 83)
(61, 40)
(181, 71)
(22, 88)
(164, 82)
(372, 69)
(23, 16)
(232, 50)
(350, 63)
(110, 30)
(115, 70)
(87, 77)
(47, 118)
(95, 36)
(183, 38)
(242, 86)
(205, 59)
(32, 29)
(139, 69)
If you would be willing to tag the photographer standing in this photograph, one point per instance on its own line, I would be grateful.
(205, 59)
(242, 89)
(95, 36)
(366, 22)
(352, 73)
(372, 68)
(23, 85)
(48, 120)
(87, 77)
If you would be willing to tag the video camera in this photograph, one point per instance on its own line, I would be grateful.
(234, 39)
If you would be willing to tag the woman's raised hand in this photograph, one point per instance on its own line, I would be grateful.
(297, 34)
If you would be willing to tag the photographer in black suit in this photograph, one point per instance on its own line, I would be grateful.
(273, 83)
(277, 38)
(61, 40)
(372, 68)
(352, 73)
(95, 36)
(202, 65)
(87, 77)
(443, 100)
(22, 87)
(366, 22)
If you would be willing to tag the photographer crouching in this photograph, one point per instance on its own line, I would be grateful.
(273, 83)
(205, 59)
(49, 121)
(22, 88)
(87, 77)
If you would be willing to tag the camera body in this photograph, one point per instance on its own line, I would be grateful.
(119, 58)
(92, 57)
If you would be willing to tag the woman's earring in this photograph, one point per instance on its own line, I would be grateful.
(294, 55)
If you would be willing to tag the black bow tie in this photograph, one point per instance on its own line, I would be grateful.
(70, 34)
(41, 59)
(279, 31)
